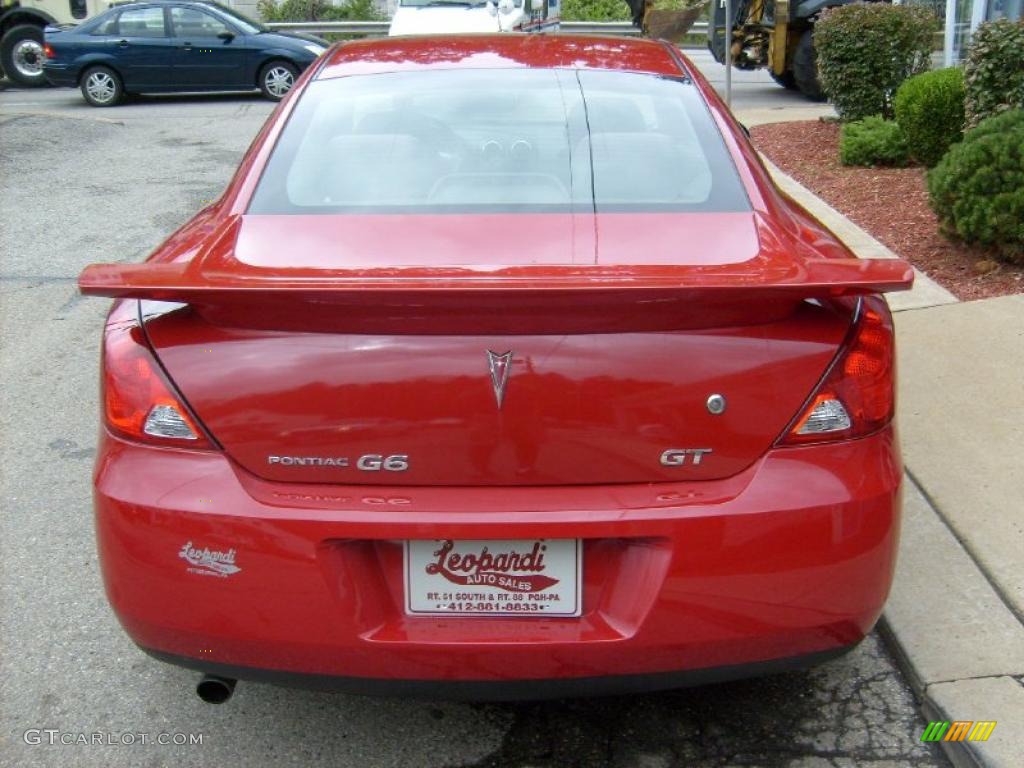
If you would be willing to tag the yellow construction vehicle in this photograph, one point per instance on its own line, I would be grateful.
(777, 35)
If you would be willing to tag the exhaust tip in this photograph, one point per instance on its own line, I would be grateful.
(215, 690)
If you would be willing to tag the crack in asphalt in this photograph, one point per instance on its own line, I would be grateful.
(847, 713)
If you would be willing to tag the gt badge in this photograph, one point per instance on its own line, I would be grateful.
(676, 457)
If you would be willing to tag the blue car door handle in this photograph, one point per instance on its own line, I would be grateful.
(122, 43)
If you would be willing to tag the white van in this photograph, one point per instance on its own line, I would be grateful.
(434, 17)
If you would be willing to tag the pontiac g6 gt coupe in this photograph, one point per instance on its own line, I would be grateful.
(501, 369)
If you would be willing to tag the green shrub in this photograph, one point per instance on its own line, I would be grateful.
(595, 10)
(994, 70)
(872, 141)
(930, 111)
(318, 10)
(865, 50)
(977, 189)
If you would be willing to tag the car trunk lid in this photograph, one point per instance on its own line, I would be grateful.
(420, 363)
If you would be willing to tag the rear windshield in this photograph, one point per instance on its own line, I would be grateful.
(501, 140)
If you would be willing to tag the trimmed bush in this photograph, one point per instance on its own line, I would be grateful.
(977, 189)
(865, 50)
(318, 10)
(994, 70)
(872, 141)
(930, 110)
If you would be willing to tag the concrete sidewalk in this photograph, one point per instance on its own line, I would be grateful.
(955, 618)
(955, 614)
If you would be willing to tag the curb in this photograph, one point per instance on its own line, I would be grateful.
(953, 636)
(948, 627)
(948, 697)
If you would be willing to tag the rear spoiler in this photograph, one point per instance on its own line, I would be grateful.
(188, 283)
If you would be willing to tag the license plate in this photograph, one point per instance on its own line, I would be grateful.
(507, 577)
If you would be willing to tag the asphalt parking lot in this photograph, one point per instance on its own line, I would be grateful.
(83, 185)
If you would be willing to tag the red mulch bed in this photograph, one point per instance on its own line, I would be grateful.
(890, 203)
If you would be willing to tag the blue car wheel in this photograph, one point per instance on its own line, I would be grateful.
(277, 78)
(101, 86)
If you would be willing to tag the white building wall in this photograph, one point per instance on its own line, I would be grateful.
(964, 16)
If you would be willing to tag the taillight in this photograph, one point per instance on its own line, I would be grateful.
(48, 52)
(857, 395)
(139, 403)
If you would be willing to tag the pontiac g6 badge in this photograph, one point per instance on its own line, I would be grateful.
(369, 462)
(500, 366)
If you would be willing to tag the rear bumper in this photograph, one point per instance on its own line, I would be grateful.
(791, 558)
(506, 690)
(60, 74)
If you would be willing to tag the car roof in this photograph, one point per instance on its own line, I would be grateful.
(501, 51)
(122, 4)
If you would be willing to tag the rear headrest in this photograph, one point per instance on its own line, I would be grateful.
(370, 148)
(376, 169)
(616, 114)
(382, 122)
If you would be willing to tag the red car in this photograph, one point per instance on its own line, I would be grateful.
(501, 369)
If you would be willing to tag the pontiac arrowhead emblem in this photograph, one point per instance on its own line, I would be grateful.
(501, 366)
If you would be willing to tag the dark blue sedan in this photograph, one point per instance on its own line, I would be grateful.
(169, 45)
